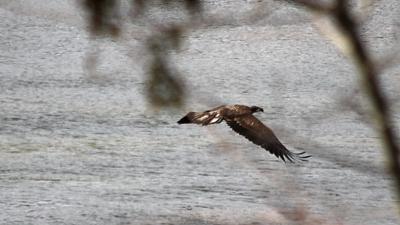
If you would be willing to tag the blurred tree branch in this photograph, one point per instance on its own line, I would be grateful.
(346, 24)
(164, 87)
(102, 19)
(314, 5)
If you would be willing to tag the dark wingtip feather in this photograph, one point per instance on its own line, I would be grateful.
(295, 157)
(303, 157)
(283, 158)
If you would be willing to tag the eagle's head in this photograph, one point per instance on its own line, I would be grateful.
(256, 109)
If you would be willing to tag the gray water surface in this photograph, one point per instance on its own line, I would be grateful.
(77, 148)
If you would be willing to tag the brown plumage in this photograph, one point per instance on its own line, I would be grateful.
(241, 120)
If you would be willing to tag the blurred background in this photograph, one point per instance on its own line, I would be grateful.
(90, 92)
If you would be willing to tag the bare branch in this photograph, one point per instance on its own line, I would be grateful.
(313, 5)
(357, 51)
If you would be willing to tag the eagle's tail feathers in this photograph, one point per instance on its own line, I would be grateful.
(185, 119)
(203, 118)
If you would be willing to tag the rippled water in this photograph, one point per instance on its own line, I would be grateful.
(84, 149)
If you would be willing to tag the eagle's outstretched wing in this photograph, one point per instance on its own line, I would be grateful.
(255, 131)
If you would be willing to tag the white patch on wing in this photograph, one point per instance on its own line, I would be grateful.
(215, 119)
(203, 117)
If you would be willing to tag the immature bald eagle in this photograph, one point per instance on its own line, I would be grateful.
(241, 120)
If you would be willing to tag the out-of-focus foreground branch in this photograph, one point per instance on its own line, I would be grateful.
(346, 24)
(164, 86)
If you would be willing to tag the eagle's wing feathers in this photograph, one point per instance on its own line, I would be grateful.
(203, 118)
(255, 131)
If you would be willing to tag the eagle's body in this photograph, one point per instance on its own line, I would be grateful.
(240, 118)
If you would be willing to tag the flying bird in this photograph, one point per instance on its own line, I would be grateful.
(240, 118)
